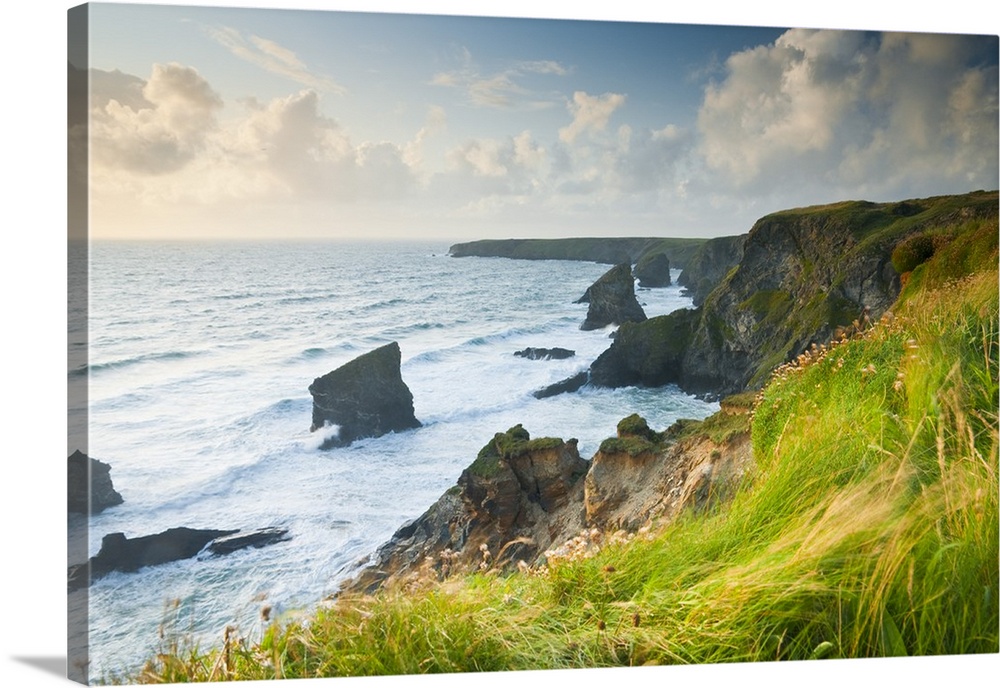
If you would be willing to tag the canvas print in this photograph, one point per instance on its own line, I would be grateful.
(407, 344)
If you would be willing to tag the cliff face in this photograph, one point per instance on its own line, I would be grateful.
(611, 250)
(709, 265)
(515, 500)
(802, 275)
(522, 497)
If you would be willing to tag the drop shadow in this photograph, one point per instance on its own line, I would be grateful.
(50, 665)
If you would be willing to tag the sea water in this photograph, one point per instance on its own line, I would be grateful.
(200, 359)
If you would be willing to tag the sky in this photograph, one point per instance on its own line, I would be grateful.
(212, 122)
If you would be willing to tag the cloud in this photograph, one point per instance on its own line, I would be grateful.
(273, 58)
(877, 114)
(590, 113)
(158, 129)
(436, 122)
(169, 147)
(503, 89)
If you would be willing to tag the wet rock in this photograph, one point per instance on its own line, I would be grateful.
(541, 354)
(262, 537)
(570, 384)
(90, 489)
(119, 553)
(365, 397)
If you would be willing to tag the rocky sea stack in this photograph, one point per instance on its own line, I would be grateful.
(365, 397)
(653, 270)
(612, 299)
(84, 471)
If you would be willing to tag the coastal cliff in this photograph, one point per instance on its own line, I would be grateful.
(804, 276)
(523, 498)
(709, 265)
(610, 250)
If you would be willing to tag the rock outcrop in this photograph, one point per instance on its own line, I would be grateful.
(612, 299)
(521, 498)
(515, 500)
(653, 270)
(119, 553)
(227, 544)
(709, 265)
(803, 275)
(570, 384)
(642, 474)
(647, 354)
(90, 489)
(540, 354)
(365, 397)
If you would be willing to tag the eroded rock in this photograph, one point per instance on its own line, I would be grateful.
(612, 299)
(518, 497)
(120, 553)
(541, 354)
(653, 270)
(365, 397)
(90, 489)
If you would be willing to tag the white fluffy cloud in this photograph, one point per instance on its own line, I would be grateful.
(857, 112)
(161, 130)
(590, 113)
(169, 146)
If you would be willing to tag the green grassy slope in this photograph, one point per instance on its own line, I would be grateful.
(869, 527)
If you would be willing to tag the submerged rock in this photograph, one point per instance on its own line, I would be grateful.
(119, 553)
(653, 270)
(90, 489)
(365, 397)
(570, 384)
(612, 299)
(262, 537)
(540, 354)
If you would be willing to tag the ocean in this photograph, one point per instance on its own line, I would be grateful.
(200, 359)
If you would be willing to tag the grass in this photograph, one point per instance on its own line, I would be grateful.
(868, 527)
